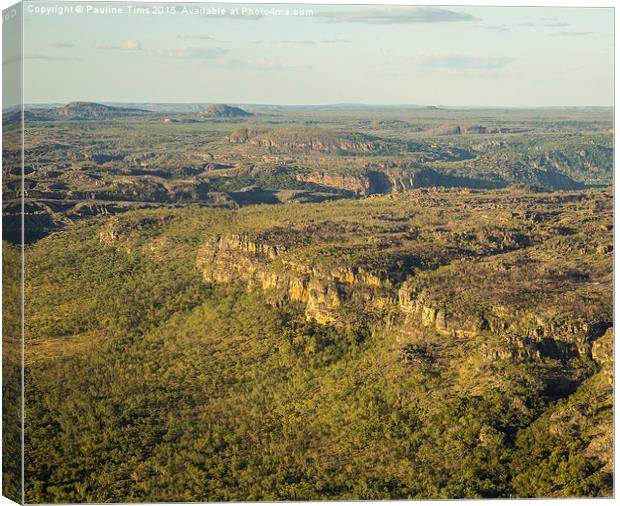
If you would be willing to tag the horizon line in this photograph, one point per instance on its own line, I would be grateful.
(322, 104)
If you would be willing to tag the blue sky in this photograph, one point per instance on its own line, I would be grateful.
(460, 56)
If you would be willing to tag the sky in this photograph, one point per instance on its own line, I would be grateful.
(452, 56)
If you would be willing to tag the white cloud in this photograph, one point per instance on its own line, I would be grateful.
(301, 42)
(40, 56)
(494, 28)
(193, 53)
(127, 45)
(261, 65)
(548, 22)
(570, 34)
(395, 15)
(198, 37)
(554, 23)
(336, 41)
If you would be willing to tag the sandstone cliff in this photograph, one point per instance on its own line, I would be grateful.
(333, 295)
(371, 182)
(322, 292)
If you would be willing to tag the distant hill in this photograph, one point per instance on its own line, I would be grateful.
(15, 116)
(225, 111)
(73, 111)
(92, 110)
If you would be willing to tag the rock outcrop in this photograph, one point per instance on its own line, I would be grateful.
(308, 140)
(360, 185)
(332, 295)
(323, 292)
(475, 129)
(370, 182)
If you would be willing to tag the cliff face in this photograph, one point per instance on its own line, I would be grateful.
(550, 336)
(474, 129)
(360, 185)
(366, 183)
(322, 292)
(334, 295)
(371, 182)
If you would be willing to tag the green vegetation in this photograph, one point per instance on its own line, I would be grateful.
(11, 373)
(146, 381)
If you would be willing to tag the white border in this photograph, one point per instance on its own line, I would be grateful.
(503, 3)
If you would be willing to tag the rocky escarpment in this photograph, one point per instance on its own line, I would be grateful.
(358, 184)
(549, 336)
(547, 178)
(340, 294)
(308, 140)
(323, 292)
(603, 354)
(475, 129)
(371, 182)
(76, 111)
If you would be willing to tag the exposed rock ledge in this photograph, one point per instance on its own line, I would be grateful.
(333, 295)
(234, 257)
